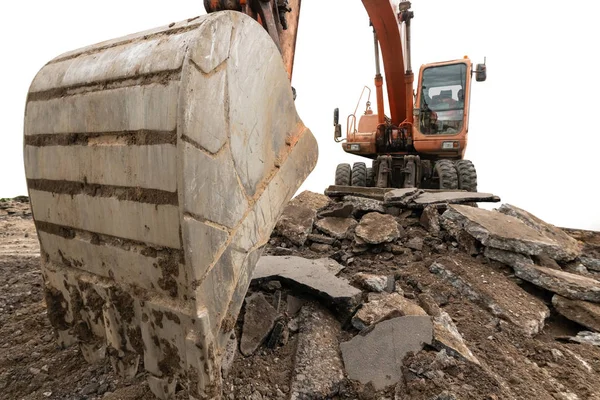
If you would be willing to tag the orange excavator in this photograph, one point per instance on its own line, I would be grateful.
(423, 141)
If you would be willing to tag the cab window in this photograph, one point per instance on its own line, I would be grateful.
(443, 99)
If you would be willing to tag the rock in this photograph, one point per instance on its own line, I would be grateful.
(505, 232)
(377, 356)
(399, 196)
(315, 237)
(446, 197)
(394, 305)
(545, 261)
(296, 223)
(229, 355)
(259, 320)
(500, 295)
(430, 220)
(376, 228)
(445, 395)
(566, 284)
(570, 246)
(282, 251)
(590, 263)
(313, 277)
(416, 243)
(338, 228)
(314, 201)
(294, 305)
(90, 388)
(586, 337)
(446, 337)
(582, 312)
(374, 283)
(318, 369)
(321, 248)
(332, 266)
(365, 205)
(277, 334)
(339, 210)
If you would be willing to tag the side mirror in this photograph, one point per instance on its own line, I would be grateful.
(480, 73)
(336, 116)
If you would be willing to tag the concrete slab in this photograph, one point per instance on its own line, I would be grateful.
(384, 307)
(584, 313)
(376, 228)
(571, 247)
(377, 356)
(296, 223)
(339, 228)
(427, 198)
(259, 319)
(369, 192)
(311, 277)
(318, 369)
(501, 231)
(314, 201)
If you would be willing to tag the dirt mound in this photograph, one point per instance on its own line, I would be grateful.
(494, 335)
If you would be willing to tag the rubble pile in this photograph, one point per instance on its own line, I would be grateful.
(401, 295)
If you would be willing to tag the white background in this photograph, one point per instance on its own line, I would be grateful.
(534, 128)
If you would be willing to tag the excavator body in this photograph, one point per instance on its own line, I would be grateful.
(423, 141)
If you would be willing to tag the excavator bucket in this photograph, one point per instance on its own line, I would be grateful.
(157, 166)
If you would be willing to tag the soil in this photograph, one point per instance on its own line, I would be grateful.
(513, 365)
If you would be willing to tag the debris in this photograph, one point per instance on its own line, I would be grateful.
(447, 197)
(590, 263)
(446, 337)
(377, 356)
(317, 238)
(294, 305)
(430, 220)
(318, 368)
(259, 319)
(376, 228)
(584, 313)
(296, 223)
(310, 276)
(277, 334)
(566, 284)
(382, 308)
(374, 283)
(321, 248)
(365, 205)
(358, 191)
(398, 196)
(585, 337)
(312, 200)
(505, 232)
(415, 243)
(570, 246)
(336, 227)
(502, 297)
(339, 210)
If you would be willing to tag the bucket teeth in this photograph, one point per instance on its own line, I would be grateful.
(157, 166)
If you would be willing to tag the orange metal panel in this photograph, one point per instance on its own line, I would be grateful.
(385, 21)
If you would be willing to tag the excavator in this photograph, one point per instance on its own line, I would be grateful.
(428, 153)
(158, 164)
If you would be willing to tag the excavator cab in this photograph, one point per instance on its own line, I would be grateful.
(442, 108)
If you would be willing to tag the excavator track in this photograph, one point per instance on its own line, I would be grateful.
(157, 166)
